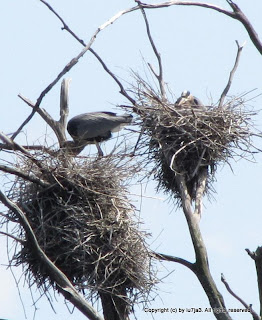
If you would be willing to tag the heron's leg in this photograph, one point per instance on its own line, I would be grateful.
(100, 152)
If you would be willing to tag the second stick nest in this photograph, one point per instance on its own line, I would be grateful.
(85, 224)
(190, 141)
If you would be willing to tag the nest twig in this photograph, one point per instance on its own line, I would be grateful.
(188, 141)
(84, 222)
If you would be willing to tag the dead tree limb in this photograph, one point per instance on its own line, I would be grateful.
(232, 73)
(257, 257)
(201, 267)
(69, 30)
(64, 285)
(249, 307)
(236, 14)
(159, 76)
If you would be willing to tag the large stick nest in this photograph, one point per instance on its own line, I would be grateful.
(190, 142)
(85, 224)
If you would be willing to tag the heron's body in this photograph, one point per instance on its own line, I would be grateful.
(188, 100)
(95, 127)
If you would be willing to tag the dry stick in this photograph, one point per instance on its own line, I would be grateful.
(57, 126)
(15, 146)
(157, 54)
(249, 307)
(27, 176)
(232, 73)
(257, 257)
(201, 267)
(65, 286)
(167, 257)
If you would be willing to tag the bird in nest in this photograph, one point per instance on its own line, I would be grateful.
(188, 100)
(95, 127)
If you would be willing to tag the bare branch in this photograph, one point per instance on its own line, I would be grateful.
(167, 257)
(12, 237)
(249, 307)
(240, 16)
(157, 54)
(57, 126)
(67, 28)
(201, 265)
(232, 73)
(64, 97)
(28, 147)
(237, 14)
(27, 176)
(15, 146)
(64, 285)
(257, 257)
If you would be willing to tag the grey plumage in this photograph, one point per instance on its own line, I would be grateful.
(94, 127)
(188, 100)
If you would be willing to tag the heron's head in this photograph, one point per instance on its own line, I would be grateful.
(185, 94)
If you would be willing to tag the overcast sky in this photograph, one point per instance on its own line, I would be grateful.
(198, 50)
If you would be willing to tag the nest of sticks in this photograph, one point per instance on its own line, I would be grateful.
(86, 225)
(188, 142)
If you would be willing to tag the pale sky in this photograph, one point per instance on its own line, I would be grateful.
(198, 51)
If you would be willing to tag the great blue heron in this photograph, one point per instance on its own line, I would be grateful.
(188, 100)
(95, 127)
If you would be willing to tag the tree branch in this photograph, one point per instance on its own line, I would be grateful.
(257, 257)
(67, 28)
(201, 265)
(237, 14)
(232, 73)
(157, 54)
(166, 257)
(57, 126)
(65, 286)
(15, 146)
(27, 176)
(249, 307)
(12, 237)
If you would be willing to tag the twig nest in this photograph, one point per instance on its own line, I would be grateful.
(85, 224)
(190, 141)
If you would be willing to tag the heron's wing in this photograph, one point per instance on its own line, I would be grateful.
(95, 124)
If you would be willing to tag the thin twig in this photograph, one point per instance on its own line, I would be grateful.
(12, 237)
(15, 146)
(167, 257)
(27, 176)
(249, 307)
(232, 73)
(157, 54)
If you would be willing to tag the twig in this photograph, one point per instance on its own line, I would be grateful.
(12, 237)
(167, 257)
(27, 176)
(232, 73)
(249, 307)
(64, 285)
(15, 146)
(157, 54)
